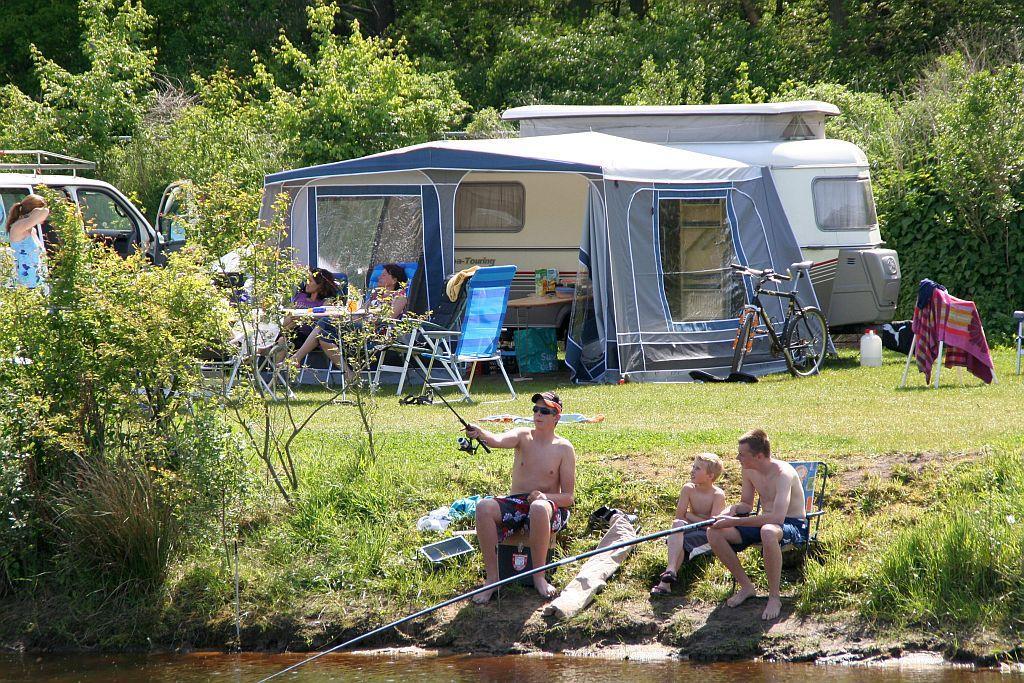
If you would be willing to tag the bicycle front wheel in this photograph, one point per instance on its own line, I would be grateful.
(743, 332)
(805, 342)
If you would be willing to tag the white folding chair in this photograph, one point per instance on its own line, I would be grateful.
(1019, 317)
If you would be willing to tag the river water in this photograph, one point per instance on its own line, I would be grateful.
(189, 668)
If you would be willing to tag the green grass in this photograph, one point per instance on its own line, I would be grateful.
(348, 549)
(907, 541)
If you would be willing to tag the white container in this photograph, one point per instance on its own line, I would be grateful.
(870, 350)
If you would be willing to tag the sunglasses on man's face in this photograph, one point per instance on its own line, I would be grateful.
(544, 410)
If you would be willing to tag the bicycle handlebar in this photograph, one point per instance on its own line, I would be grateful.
(767, 273)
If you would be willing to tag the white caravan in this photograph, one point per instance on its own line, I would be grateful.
(824, 187)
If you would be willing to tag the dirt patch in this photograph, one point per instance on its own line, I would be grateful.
(856, 470)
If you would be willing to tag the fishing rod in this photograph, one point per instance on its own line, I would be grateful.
(498, 584)
(464, 444)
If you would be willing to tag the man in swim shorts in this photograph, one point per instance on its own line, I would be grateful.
(545, 469)
(783, 519)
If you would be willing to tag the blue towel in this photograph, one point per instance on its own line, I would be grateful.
(464, 508)
(925, 291)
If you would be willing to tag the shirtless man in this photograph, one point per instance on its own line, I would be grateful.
(544, 470)
(782, 518)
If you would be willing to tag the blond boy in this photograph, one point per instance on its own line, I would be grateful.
(699, 500)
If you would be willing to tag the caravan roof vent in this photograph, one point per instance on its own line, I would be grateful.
(798, 129)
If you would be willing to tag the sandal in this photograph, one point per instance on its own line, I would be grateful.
(668, 577)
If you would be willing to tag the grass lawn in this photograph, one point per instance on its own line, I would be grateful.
(346, 554)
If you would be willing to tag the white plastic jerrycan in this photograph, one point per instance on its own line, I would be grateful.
(870, 349)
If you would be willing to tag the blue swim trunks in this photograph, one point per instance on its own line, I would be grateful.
(794, 532)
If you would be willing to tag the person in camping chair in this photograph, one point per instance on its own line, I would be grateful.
(782, 519)
(544, 469)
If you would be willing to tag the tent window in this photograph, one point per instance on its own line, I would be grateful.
(696, 250)
(844, 204)
(490, 207)
(355, 233)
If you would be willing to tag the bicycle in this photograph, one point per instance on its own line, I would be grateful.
(804, 335)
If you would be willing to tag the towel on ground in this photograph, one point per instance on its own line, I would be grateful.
(566, 418)
(595, 572)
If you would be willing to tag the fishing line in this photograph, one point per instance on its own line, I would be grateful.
(495, 585)
(437, 393)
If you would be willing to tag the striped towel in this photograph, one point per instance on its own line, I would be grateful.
(956, 323)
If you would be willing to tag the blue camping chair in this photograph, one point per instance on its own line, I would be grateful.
(371, 281)
(477, 340)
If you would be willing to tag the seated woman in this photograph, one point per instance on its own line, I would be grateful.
(320, 289)
(391, 287)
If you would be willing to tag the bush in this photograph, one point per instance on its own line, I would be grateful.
(103, 424)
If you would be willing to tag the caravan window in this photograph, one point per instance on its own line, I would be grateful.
(844, 203)
(353, 232)
(490, 207)
(696, 250)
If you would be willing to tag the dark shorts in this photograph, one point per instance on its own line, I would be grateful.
(692, 540)
(515, 515)
(794, 532)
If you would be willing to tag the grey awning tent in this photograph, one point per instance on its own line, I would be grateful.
(655, 297)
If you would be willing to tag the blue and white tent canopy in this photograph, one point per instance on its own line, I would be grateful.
(655, 297)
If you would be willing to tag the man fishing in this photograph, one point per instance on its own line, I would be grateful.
(543, 474)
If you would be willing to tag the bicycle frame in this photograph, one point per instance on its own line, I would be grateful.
(757, 309)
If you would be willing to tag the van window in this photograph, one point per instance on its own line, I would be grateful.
(844, 203)
(490, 207)
(696, 249)
(9, 196)
(353, 232)
(101, 212)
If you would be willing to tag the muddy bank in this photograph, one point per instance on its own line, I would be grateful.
(514, 625)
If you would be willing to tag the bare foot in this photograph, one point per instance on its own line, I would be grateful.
(740, 596)
(545, 589)
(483, 598)
(773, 609)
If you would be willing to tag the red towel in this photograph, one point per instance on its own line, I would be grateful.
(956, 323)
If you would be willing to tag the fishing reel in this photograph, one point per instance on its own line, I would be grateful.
(468, 445)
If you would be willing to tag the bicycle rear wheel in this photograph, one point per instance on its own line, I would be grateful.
(743, 332)
(805, 342)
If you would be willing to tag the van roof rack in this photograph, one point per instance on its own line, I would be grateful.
(44, 161)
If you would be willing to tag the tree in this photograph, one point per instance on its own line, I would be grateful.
(355, 96)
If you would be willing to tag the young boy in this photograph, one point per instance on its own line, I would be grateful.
(699, 500)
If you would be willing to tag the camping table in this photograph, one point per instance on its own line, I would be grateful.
(526, 303)
(329, 311)
(523, 305)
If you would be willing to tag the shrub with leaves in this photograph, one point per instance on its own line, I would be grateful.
(101, 377)
(354, 96)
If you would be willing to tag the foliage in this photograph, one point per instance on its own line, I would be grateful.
(220, 132)
(665, 86)
(107, 384)
(354, 96)
(109, 98)
(487, 123)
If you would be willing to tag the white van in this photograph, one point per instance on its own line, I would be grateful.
(111, 217)
(824, 187)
